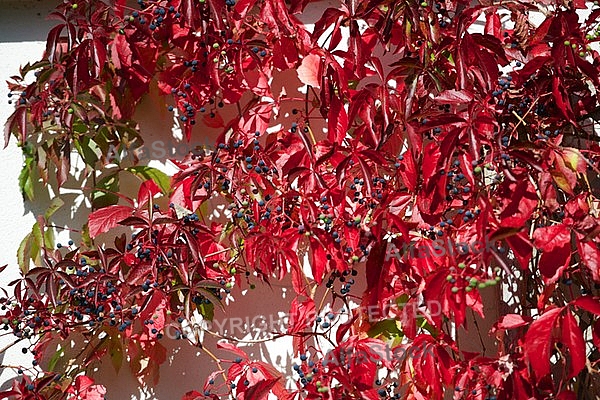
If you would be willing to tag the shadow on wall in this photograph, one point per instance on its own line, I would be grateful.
(18, 18)
(186, 368)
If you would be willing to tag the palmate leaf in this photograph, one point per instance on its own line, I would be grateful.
(415, 125)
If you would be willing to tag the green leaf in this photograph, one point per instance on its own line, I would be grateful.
(161, 179)
(85, 236)
(211, 296)
(39, 242)
(104, 138)
(24, 254)
(55, 204)
(54, 360)
(26, 180)
(207, 310)
(423, 324)
(402, 300)
(87, 149)
(388, 329)
(79, 128)
(49, 238)
(128, 135)
(36, 231)
(226, 231)
(104, 198)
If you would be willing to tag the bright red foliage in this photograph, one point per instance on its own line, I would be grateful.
(418, 129)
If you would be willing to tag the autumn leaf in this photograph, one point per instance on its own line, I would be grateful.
(512, 321)
(555, 242)
(309, 71)
(572, 337)
(538, 341)
(104, 219)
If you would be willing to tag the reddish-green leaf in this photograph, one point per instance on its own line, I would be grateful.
(104, 219)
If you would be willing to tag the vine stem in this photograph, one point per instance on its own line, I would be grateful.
(63, 228)
(306, 101)
(216, 360)
(478, 331)
(2, 350)
(312, 136)
(217, 252)
(522, 119)
(93, 173)
(11, 366)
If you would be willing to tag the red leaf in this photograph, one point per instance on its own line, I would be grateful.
(155, 310)
(129, 259)
(566, 395)
(83, 382)
(193, 395)
(309, 71)
(554, 241)
(522, 248)
(522, 201)
(95, 392)
(538, 342)
(561, 98)
(52, 42)
(408, 171)
(190, 12)
(148, 189)
(98, 51)
(344, 328)
(596, 333)
(212, 122)
(493, 26)
(512, 321)
(104, 219)
(302, 315)
(232, 348)
(139, 273)
(430, 165)
(588, 303)
(261, 390)
(17, 120)
(563, 175)
(454, 97)
(86, 390)
(285, 53)
(121, 53)
(297, 6)
(573, 338)
(319, 262)
(330, 17)
(338, 121)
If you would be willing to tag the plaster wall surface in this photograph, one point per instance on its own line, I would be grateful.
(23, 30)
